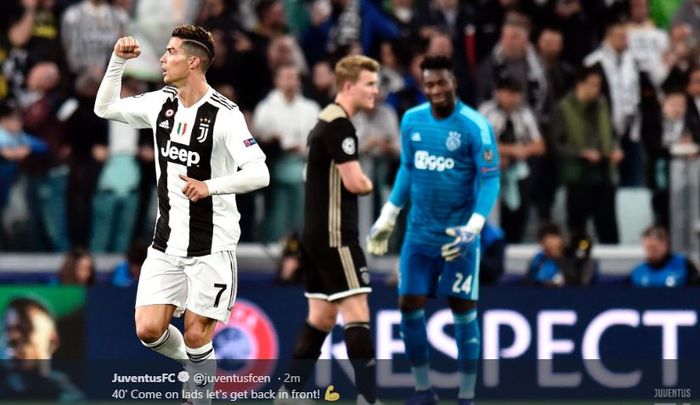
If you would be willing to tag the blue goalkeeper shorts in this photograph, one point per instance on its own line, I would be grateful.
(423, 271)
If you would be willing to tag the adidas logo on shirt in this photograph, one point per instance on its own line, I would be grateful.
(164, 124)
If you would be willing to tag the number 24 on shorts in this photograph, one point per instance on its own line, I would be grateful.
(462, 285)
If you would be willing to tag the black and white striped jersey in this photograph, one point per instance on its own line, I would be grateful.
(208, 140)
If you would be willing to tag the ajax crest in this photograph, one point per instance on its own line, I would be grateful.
(453, 141)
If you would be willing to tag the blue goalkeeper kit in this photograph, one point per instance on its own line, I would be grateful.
(449, 170)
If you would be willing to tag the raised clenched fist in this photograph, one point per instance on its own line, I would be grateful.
(127, 48)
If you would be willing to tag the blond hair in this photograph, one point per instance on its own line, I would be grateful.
(349, 68)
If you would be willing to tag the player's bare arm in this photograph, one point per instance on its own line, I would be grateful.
(127, 48)
(354, 179)
(194, 190)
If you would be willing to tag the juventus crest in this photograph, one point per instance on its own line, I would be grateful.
(203, 130)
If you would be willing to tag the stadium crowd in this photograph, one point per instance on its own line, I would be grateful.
(585, 96)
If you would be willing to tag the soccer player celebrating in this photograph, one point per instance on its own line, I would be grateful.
(449, 170)
(206, 155)
(337, 279)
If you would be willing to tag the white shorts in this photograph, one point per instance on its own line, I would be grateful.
(205, 285)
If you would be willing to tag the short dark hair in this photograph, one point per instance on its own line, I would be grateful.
(197, 42)
(262, 6)
(22, 306)
(614, 21)
(436, 63)
(584, 72)
(510, 83)
(8, 107)
(549, 229)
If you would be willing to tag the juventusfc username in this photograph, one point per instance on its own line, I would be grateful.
(197, 378)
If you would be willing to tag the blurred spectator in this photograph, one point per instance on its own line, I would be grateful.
(689, 13)
(488, 20)
(665, 128)
(519, 139)
(546, 268)
(321, 89)
(285, 118)
(493, 254)
(444, 16)
(661, 267)
(116, 200)
(379, 146)
(87, 136)
(692, 115)
(559, 75)
(89, 30)
(78, 268)
(155, 20)
(15, 145)
(152, 24)
(127, 272)
(514, 57)
(647, 43)
(47, 174)
(585, 140)
(34, 34)
(452, 21)
(394, 56)
(580, 268)
(684, 176)
(621, 88)
(32, 339)
(411, 94)
(218, 15)
(405, 16)
(284, 50)
(348, 23)
(271, 45)
(289, 269)
(682, 54)
(577, 27)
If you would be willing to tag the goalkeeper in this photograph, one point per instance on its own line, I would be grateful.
(450, 172)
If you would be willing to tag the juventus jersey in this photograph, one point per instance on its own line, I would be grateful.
(207, 140)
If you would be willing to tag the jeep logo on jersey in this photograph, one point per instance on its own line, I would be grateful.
(178, 153)
(425, 161)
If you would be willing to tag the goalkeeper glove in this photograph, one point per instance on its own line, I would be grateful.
(464, 236)
(379, 233)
